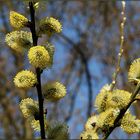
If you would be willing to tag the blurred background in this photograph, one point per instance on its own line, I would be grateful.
(85, 57)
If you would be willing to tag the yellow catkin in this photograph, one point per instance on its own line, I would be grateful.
(91, 122)
(50, 25)
(107, 118)
(102, 99)
(17, 20)
(89, 135)
(25, 79)
(39, 57)
(19, 40)
(130, 124)
(54, 91)
(36, 125)
(50, 48)
(29, 107)
(17, 48)
(119, 99)
(134, 71)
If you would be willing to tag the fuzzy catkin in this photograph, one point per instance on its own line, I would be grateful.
(25, 79)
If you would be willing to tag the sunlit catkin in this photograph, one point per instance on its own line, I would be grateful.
(39, 57)
(130, 124)
(50, 25)
(134, 71)
(17, 20)
(29, 108)
(25, 79)
(54, 91)
(19, 40)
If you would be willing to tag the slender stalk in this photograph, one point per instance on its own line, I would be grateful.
(32, 27)
(38, 73)
(117, 121)
(114, 80)
(120, 54)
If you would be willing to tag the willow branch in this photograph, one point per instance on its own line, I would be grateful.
(120, 54)
(122, 112)
(38, 72)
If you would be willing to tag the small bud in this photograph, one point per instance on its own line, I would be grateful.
(122, 37)
(123, 4)
(122, 13)
(124, 18)
(119, 54)
(36, 5)
(114, 82)
(122, 25)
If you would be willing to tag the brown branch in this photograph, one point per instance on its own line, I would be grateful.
(136, 99)
(73, 98)
(87, 71)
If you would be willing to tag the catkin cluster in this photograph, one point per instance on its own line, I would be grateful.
(109, 104)
(40, 57)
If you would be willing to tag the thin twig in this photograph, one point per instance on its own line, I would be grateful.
(122, 111)
(136, 99)
(38, 73)
(114, 81)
